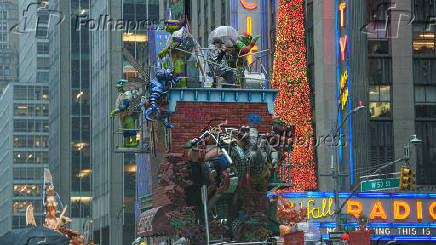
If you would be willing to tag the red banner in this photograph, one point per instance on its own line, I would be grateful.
(294, 238)
(359, 238)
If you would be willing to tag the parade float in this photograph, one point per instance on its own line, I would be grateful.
(54, 230)
(209, 155)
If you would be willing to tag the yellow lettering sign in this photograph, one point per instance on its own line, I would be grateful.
(344, 98)
(344, 79)
(316, 212)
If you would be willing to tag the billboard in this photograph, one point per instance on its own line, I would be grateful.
(401, 216)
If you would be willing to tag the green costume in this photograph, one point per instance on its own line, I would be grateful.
(180, 45)
(126, 119)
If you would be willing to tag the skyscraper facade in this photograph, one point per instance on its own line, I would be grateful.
(8, 43)
(366, 53)
(26, 111)
(69, 83)
(24, 154)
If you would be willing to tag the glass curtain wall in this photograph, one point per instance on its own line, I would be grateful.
(80, 115)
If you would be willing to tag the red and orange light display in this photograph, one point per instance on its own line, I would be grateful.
(293, 101)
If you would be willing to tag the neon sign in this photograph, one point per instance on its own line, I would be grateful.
(249, 32)
(343, 53)
(248, 5)
(343, 76)
(321, 208)
(396, 216)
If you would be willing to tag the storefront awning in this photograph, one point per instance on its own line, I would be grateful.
(153, 222)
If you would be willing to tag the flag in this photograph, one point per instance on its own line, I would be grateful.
(47, 176)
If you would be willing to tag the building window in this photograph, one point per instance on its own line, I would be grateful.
(3, 25)
(30, 125)
(26, 190)
(377, 46)
(43, 17)
(425, 101)
(30, 157)
(379, 70)
(31, 110)
(380, 101)
(3, 37)
(424, 9)
(3, 14)
(423, 43)
(5, 70)
(381, 148)
(18, 222)
(424, 70)
(42, 48)
(376, 10)
(27, 173)
(42, 77)
(42, 63)
(30, 141)
(426, 152)
(41, 32)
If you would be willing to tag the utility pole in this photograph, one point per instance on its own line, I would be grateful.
(334, 166)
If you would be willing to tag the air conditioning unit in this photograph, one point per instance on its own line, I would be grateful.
(254, 80)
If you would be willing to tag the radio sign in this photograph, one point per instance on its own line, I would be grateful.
(392, 214)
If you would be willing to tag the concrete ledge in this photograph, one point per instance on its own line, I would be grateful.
(227, 95)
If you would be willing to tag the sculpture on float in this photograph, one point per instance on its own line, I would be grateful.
(54, 220)
(219, 68)
(125, 114)
(180, 45)
(237, 165)
(227, 54)
(158, 89)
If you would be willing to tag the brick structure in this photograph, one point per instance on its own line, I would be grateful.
(191, 117)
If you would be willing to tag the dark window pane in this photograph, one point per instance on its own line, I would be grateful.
(378, 47)
(425, 101)
(381, 144)
(380, 71)
(426, 153)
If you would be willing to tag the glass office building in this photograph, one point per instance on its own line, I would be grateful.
(69, 84)
(24, 152)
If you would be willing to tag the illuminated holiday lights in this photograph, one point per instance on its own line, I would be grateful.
(293, 101)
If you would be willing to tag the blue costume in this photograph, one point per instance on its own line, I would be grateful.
(159, 88)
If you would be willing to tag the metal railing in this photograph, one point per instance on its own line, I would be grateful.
(142, 138)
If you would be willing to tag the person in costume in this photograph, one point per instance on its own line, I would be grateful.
(219, 68)
(179, 47)
(127, 122)
(159, 88)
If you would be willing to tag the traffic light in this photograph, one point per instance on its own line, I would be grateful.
(407, 179)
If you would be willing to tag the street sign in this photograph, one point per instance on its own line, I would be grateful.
(345, 218)
(349, 228)
(380, 184)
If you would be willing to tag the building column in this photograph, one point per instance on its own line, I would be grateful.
(403, 100)
(324, 28)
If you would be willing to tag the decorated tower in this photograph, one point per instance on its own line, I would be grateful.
(293, 101)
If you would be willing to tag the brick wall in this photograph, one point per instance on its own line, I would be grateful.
(191, 117)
